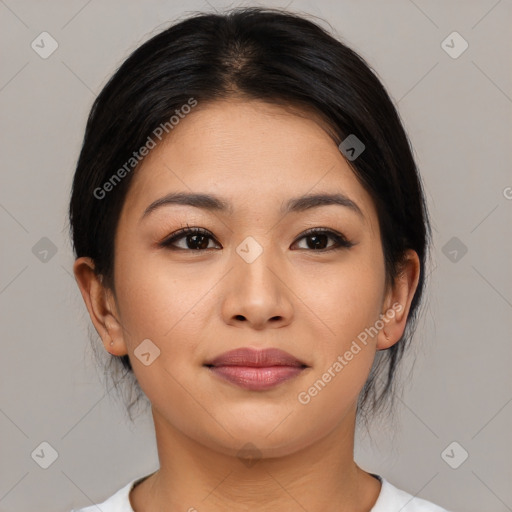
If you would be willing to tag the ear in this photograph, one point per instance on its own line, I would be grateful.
(100, 303)
(397, 302)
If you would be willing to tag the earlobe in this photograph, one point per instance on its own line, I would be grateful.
(398, 302)
(100, 305)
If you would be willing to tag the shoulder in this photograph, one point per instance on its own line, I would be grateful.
(392, 498)
(118, 502)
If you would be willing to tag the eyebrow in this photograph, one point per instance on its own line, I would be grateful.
(213, 203)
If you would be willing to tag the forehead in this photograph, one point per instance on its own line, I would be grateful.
(255, 155)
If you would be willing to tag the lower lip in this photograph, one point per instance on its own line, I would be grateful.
(256, 378)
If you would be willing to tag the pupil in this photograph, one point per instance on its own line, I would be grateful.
(194, 243)
(317, 244)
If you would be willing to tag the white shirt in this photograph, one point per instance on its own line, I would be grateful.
(390, 499)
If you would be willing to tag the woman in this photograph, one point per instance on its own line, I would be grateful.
(251, 238)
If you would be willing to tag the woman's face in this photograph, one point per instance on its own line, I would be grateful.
(253, 281)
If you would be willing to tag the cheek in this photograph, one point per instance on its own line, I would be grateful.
(344, 354)
(156, 305)
(346, 301)
(332, 393)
(173, 308)
(347, 307)
(154, 296)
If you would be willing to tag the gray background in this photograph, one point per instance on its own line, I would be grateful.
(458, 114)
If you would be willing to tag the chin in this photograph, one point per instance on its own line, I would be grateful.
(263, 439)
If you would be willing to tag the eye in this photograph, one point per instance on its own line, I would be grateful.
(194, 239)
(319, 237)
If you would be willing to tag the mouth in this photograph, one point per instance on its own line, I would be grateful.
(256, 370)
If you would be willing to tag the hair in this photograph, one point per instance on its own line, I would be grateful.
(254, 54)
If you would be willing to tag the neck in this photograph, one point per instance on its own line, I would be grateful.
(318, 477)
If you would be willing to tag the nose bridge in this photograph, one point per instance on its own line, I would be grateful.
(252, 263)
(255, 292)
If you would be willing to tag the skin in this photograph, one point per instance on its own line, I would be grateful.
(194, 305)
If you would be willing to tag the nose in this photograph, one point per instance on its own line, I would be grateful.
(256, 294)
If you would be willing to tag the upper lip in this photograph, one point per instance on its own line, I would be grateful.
(256, 358)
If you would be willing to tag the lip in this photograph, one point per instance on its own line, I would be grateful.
(256, 370)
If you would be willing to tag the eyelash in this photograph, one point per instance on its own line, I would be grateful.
(341, 240)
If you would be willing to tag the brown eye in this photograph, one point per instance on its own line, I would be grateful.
(196, 239)
(317, 240)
